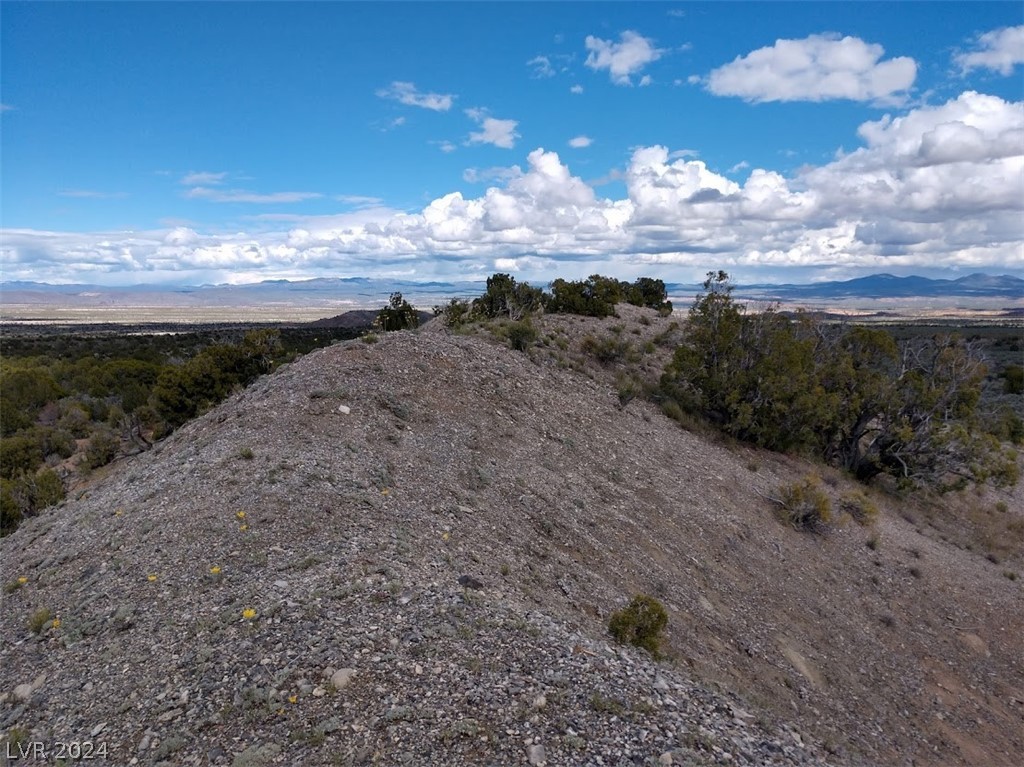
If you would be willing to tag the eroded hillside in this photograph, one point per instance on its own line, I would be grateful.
(207, 592)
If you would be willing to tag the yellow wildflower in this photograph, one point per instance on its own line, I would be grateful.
(248, 613)
(240, 514)
(151, 577)
(119, 512)
(22, 580)
(293, 698)
(243, 528)
(215, 570)
(385, 491)
(55, 623)
(445, 536)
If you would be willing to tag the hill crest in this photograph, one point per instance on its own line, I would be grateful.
(341, 499)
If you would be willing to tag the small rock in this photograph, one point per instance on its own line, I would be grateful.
(344, 409)
(536, 755)
(665, 759)
(97, 729)
(167, 716)
(23, 692)
(540, 701)
(281, 585)
(660, 684)
(342, 678)
(319, 692)
(469, 582)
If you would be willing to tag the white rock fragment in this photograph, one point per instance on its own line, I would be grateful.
(665, 759)
(23, 692)
(342, 678)
(536, 755)
(344, 409)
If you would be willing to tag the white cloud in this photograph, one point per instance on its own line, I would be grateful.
(500, 133)
(929, 188)
(576, 89)
(817, 68)
(580, 142)
(91, 194)
(964, 158)
(242, 195)
(645, 81)
(622, 59)
(406, 93)
(741, 165)
(541, 66)
(359, 200)
(203, 178)
(1000, 50)
(483, 175)
(7, 108)
(447, 147)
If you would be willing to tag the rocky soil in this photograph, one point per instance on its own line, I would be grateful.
(406, 552)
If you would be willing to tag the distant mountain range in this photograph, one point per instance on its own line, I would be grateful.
(889, 286)
(360, 292)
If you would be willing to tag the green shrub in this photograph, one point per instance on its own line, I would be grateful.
(504, 298)
(860, 507)
(640, 623)
(805, 504)
(671, 408)
(607, 350)
(521, 335)
(629, 389)
(1013, 379)
(19, 454)
(26, 495)
(40, 619)
(101, 449)
(397, 315)
(49, 489)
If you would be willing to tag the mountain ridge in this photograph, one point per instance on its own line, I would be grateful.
(347, 288)
(341, 500)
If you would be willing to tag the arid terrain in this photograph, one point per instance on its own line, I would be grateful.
(407, 552)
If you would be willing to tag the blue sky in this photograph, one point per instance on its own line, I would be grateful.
(234, 142)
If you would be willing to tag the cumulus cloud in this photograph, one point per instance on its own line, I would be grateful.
(576, 89)
(933, 187)
(622, 59)
(580, 142)
(963, 158)
(500, 133)
(406, 93)
(817, 68)
(1000, 50)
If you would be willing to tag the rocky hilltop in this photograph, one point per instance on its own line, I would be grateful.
(406, 552)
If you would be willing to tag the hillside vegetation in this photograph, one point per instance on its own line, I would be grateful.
(422, 547)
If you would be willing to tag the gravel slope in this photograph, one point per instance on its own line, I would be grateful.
(341, 499)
